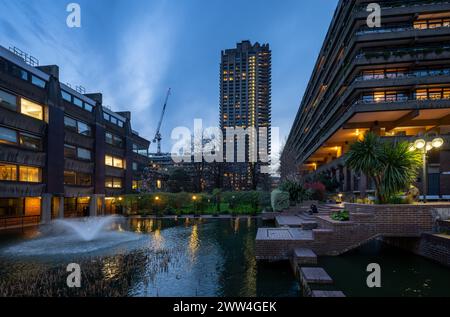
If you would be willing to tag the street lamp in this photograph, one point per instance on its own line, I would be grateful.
(424, 146)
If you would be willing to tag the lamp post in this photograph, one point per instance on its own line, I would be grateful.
(424, 147)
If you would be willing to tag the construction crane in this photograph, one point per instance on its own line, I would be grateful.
(158, 136)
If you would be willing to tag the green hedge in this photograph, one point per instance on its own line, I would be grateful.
(160, 204)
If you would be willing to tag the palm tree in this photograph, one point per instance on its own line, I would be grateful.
(392, 166)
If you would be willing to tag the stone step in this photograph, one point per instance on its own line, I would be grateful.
(327, 294)
(315, 275)
(305, 256)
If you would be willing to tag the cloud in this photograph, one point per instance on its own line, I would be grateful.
(145, 51)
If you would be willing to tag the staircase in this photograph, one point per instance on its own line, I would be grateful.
(324, 236)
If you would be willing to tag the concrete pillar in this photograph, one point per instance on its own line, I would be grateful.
(363, 185)
(61, 208)
(97, 205)
(93, 206)
(46, 208)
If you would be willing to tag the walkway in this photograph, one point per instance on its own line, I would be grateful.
(331, 237)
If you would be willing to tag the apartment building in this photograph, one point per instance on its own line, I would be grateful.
(62, 153)
(245, 102)
(393, 80)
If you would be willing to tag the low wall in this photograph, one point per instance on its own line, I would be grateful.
(366, 223)
(433, 247)
(396, 220)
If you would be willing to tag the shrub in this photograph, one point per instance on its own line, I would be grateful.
(317, 190)
(341, 216)
(280, 200)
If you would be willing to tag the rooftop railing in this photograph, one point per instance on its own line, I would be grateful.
(29, 59)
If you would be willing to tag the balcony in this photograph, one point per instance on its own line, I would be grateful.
(403, 75)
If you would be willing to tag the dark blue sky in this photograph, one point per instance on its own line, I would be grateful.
(133, 50)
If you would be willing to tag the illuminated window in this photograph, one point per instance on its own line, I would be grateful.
(112, 182)
(31, 109)
(136, 185)
(158, 184)
(421, 94)
(118, 163)
(114, 161)
(32, 206)
(8, 172)
(29, 174)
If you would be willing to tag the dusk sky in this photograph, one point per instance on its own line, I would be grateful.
(132, 51)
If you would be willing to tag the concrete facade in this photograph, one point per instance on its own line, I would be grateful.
(62, 152)
(393, 81)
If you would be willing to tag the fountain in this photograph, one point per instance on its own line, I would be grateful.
(88, 229)
(76, 236)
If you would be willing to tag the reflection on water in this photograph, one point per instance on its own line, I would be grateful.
(194, 257)
(403, 274)
(186, 257)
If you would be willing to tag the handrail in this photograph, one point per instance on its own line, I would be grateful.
(15, 221)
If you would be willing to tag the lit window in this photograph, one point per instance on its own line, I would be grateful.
(31, 109)
(158, 184)
(7, 136)
(32, 206)
(29, 174)
(108, 160)
(118, 163)
(108, 182)
(8, 101)
(111, 182)
(421, 94)
(117, 183)
(8, 172)
(114, 161)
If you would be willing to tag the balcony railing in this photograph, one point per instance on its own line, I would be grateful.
(19, 221)
(413, 74)
(401, 4)
(402, 52)
(394, 100)
(405, 28)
